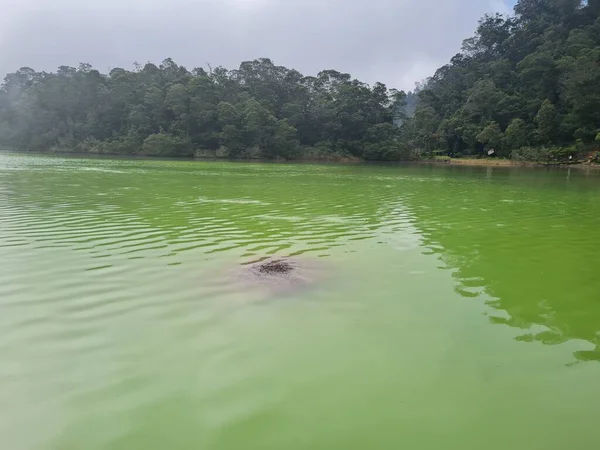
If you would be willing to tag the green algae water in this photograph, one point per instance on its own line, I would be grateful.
(440, 307)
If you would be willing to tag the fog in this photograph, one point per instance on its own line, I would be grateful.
(397, 42)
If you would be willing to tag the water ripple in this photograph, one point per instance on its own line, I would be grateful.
(124, 311)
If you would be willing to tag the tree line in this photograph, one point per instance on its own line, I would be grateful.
(260, 110)
(526, 86)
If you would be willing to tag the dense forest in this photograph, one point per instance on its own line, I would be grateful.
(257, 111)
(526, 86)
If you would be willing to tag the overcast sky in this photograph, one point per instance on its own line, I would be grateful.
(397, 42)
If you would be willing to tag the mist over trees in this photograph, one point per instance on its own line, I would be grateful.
(259, 110)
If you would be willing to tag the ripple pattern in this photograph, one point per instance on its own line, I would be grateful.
(122, 324)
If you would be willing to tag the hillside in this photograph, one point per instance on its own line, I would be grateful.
(529, 80)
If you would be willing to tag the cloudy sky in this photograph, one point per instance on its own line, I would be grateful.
(398, 42)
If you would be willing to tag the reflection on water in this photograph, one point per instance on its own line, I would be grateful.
(525, 242)
(438, 299)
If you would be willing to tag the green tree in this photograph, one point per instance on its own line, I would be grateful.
(284, 142)
(582, 87)
(162, 144)
(516, 135)
(491, 136)
(547, 123)
(177, 99)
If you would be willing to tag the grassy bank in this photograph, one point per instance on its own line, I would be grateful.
(482, 162)
(316, 157)
(496, 162)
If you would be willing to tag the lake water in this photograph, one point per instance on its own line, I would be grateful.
(437, 307)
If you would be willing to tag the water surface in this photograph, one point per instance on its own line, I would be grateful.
(445, 307)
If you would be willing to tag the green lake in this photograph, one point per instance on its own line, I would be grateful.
(434, 307)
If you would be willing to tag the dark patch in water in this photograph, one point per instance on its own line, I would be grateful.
(276, 267)
(281, 274)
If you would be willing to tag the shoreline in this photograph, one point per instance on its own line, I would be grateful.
(473, 162)
(464, 162)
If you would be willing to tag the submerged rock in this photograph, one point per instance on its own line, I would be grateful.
(279, 275)
(276, 267)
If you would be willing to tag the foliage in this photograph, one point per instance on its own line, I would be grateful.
(528, 79)
(521, 85)
(516, 135)
(546, 121)
(257, 111)
(162, 144)
(545, 155)
(491, 136)
(531, 154)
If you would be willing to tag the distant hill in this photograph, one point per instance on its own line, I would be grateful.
(531, 79)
